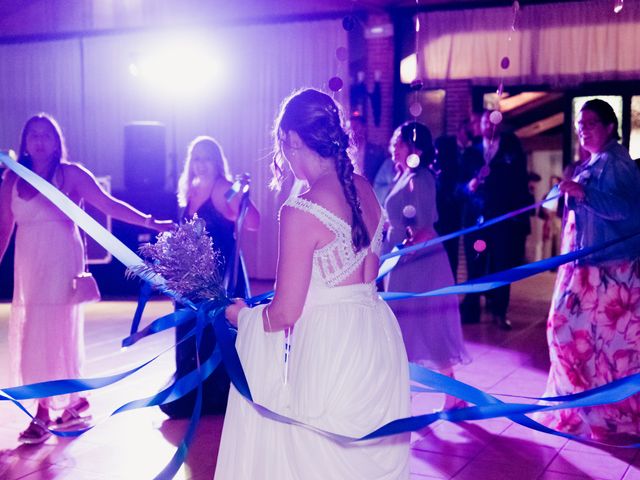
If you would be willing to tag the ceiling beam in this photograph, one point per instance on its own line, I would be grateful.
(540, 126)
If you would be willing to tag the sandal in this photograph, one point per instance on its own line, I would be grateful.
(71, 415)
(36, 433)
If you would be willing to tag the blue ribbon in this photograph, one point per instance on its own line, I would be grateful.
(146, 290)
(193, 380)
(466, 231)
(390, 260)
(487, 282)
(181, 453)
(119, 250)
(487, 405)
(505, 277)
(172, 320)
(75, 213)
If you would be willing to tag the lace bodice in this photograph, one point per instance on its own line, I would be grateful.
(334, 262)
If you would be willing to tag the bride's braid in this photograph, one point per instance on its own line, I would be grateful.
(316, 118)
(344, 169)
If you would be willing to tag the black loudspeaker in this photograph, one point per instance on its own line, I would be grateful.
(144, 156)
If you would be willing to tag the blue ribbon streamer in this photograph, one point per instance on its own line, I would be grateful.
(146, 290)
(505, 277)
(390, 260)
(92, 228)
(171, 320)
(181, 453)
(179, 388)
(119, 250)
(491, 281)
(466, 231)
(487, 405)
(75, 213)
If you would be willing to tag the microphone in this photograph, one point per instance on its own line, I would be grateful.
(241, 185)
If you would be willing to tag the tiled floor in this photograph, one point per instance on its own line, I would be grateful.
(137, 445)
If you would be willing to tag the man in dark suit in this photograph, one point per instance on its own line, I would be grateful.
(368, 156)
(494, 181)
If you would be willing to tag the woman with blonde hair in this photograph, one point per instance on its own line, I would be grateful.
(204, 189)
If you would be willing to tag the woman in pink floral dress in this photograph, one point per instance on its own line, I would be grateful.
(594, 322)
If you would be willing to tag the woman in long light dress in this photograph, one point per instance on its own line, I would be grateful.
(46, 327)
(593, 328)
(347, 369)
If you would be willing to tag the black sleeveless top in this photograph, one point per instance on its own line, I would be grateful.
(221, 231)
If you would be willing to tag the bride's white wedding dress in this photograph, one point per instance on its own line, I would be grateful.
(347, 374)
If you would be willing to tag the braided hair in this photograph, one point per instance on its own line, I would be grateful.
(318, 120)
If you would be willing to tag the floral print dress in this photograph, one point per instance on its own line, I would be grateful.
(593, 333)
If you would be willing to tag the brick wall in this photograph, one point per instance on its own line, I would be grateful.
(457, 102)
(380, 63)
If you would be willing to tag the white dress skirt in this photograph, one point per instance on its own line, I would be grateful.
(347, 374)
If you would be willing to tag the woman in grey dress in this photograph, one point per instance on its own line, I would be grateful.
(430, 326)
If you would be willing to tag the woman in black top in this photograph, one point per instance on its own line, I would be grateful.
(204, 190)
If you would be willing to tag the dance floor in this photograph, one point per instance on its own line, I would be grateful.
(137, 445)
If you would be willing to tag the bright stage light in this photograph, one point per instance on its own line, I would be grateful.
(181, 68)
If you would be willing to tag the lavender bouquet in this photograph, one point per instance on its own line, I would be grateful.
(186, 260)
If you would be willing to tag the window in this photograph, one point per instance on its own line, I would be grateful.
(634, 138)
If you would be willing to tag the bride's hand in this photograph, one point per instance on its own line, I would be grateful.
(232, 311)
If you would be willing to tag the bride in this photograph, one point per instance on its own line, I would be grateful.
(346, 370)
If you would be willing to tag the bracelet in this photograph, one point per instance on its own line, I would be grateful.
(266, 315)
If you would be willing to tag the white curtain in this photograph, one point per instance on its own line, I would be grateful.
(85, 83)
(557, 43)
(40, 77)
